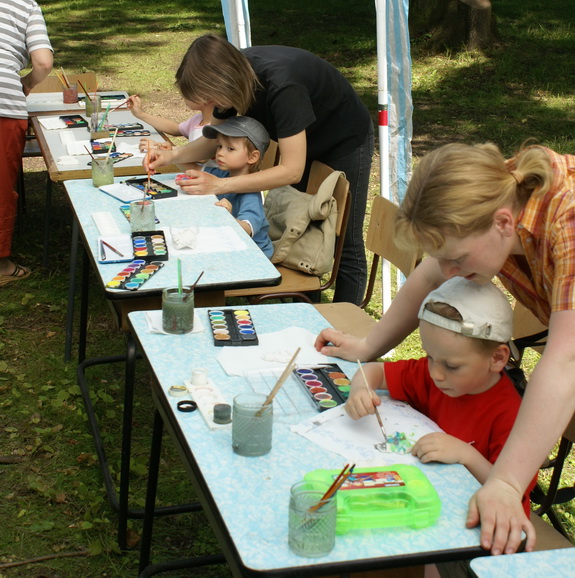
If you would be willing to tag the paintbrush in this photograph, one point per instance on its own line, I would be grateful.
(111, 248)
(88, 151)
(335, 486)
(289, 368)
(85, 91)
(379, 421)
(196, 281)
(112, 143)
(65, 77)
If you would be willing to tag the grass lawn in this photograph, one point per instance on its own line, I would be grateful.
(52, 501)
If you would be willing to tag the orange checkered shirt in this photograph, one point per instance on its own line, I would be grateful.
(546, 229)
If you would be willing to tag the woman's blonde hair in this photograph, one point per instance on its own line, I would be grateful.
(456, 190)
(215, 70)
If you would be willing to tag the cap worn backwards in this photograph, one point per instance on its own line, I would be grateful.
(241, 126)
(485, 310)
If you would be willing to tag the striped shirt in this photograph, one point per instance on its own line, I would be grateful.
(544, 278)
(22, 30)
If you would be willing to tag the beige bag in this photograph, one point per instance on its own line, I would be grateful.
(302, 226)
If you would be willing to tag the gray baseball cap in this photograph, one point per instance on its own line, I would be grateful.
(241, 126)
(486, 311)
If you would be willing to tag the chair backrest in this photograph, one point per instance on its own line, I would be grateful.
(525, 324)
(318, 173)
(271, 157)
(52, 83)
(380, 242)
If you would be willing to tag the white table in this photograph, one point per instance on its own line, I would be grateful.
(246, 499)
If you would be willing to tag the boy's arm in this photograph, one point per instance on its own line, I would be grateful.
(447, 449)
(362, 401)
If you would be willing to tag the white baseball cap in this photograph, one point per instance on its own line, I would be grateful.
(485, 310)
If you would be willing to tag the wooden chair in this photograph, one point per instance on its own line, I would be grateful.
(271, 158)
(52, 83)
(525, 325)
(380, 242)
(295, 284)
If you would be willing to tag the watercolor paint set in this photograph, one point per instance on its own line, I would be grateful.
(327, 385)
(150, 245)
(134, 275)
(386, 497)
(100, 146)
(232, 327)
(155, 191)
(74, 121)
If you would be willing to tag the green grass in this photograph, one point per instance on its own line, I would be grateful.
(52, 501)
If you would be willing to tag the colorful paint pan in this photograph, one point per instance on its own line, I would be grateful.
(150, 246)
(134, 275)
(327, 385)
(232, 327)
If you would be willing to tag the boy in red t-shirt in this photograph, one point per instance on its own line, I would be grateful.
(464, 329)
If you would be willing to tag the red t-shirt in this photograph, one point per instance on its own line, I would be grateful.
(485, 419)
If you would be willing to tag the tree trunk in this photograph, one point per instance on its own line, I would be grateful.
(440, 25)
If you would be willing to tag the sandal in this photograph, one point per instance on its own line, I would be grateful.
(18, 273)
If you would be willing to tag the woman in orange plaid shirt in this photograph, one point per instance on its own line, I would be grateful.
(478, 216)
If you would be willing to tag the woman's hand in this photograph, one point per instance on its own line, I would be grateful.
(156, 158)
(497, 507)
(335, 343)
(200, 183)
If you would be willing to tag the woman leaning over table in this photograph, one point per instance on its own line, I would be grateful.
(23, 35)
(306, 105)
(476, 216)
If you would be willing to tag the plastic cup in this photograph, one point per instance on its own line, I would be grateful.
(93, 104)
(70, 94)
(142, 216)
(102, 171)
(252, 425)
(177, 310)
(311, 533)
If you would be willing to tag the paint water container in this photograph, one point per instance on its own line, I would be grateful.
(388, 497)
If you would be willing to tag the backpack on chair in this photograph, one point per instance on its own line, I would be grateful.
(303, 226)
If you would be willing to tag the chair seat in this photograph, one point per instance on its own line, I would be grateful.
(292, 281)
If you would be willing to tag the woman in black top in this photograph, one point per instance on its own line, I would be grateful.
(306, 105)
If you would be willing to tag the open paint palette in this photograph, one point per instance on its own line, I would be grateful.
(150, 246)
(134, 275)
(232, 327)
(327, 385)
(155, 191)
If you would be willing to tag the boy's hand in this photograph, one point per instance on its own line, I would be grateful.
(440, 447)
(225, 203)
(361, 402)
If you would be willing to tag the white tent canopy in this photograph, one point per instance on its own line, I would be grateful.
(393, 90)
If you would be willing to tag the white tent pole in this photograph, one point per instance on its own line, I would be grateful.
(383, 131)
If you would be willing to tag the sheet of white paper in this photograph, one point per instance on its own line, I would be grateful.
(78, 147)
(51, 122)
(273, 352)
(154, 321)
(209, 240)
(360, 440)
(124, 147)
